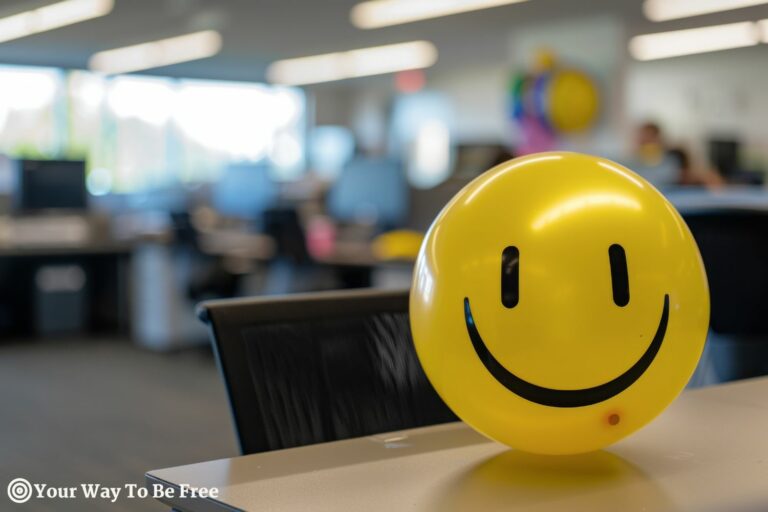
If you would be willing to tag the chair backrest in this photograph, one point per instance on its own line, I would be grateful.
(734, 247)
(320, 367)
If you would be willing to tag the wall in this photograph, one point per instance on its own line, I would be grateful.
(480, 92)
(721, 94)
(479, 98)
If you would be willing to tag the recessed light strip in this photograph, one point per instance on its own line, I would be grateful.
(52, 16)
(155, 54)
(663, 45)
(383, 13)
(352, 64)
(663, 10)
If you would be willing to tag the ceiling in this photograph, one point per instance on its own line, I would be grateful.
(257, 32)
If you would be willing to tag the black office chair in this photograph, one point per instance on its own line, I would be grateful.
(320, 367)
(206, 277)
(734, 248)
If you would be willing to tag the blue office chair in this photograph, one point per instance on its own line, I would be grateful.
(320, 367)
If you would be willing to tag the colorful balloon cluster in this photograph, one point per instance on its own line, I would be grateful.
(550, 101)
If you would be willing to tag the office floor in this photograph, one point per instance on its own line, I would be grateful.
(104, 411)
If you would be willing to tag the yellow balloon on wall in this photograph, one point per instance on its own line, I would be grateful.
(572, 101)
(559, 303)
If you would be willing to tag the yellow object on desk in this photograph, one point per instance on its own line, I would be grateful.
(559, 303)
(400, 244)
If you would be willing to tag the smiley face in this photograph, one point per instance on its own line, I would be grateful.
(559, 303)
(510, 262)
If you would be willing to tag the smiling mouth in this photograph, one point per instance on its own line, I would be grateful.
(565, 397)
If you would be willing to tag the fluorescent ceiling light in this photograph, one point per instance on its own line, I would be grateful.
(696, 40)
(352, 64)
(52, 16)
(155, 54)
(763, 24)
(382, 13)
(662, 10)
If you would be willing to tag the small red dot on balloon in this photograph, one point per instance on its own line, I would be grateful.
(614, 419)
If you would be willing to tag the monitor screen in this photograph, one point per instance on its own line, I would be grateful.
(724, 155)
(51, 184)
(372, 191)
(244, 190)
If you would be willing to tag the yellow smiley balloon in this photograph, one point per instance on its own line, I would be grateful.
(559, 303)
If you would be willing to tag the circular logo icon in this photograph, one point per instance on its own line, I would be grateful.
(559, 303)
(19, 490)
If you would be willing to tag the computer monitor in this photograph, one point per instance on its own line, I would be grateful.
(50, 184)
(244, 190)
(370, 190)
(724, 155)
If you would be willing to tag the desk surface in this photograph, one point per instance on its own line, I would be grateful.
(94, 248)
(708, 452)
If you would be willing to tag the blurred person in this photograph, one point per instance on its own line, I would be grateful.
(650, 147)
(665, 166)
(650, 157)
(691, 175)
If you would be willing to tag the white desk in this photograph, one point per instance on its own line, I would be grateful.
(708, 452)
(691, 200)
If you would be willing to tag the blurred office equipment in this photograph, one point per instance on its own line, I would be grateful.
(50, 202)
(734, 250)
(427, 203)
(282, 223)
(161, 317)
(192, 256)
(62, 270)
(476, 158)
(371, 191)
(244, 190)
(8, 170)
(64, 288)
(313, 368)
(472, 159)
(60, 299)
(725, 156)
(50, 185)
(291, 270)
(206, 276)
(330, 149)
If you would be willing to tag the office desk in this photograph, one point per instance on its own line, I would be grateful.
(708, 452)
(105, 265)
(692, 200)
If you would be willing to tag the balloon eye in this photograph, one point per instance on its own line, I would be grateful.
(619, 275)
(510, 277)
